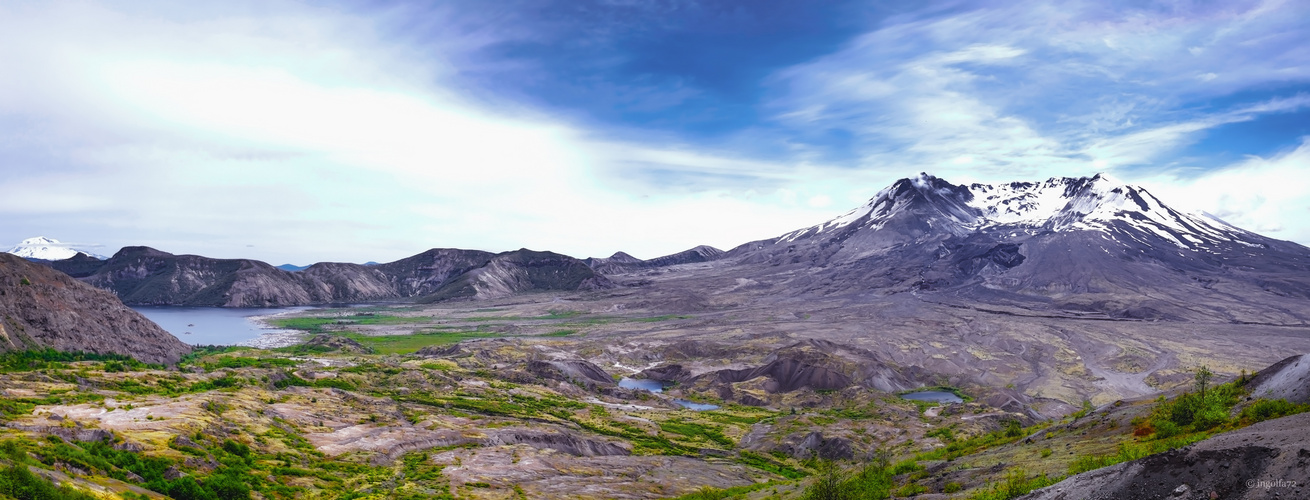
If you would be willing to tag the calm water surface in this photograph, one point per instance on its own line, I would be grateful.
(933, 397)
(643, 384)
(211, 325)
(657, 386)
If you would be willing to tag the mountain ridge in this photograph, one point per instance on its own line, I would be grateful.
(147, 276)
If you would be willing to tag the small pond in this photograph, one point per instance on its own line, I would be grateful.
(694, 406)
(933, 397)
(643, 384)
(656, 386)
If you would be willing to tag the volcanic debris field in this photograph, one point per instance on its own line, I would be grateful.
(518, 398)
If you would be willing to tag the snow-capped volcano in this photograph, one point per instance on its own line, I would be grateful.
(1056, 204)
(1087, 244)
(44, 248)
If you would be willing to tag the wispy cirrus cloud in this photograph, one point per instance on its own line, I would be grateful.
(1035, 89)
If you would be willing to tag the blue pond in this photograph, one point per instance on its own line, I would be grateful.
(643, 384)
(933, 397)
(695, 406)
(658, 387)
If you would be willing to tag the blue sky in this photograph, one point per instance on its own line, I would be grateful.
(356, 131)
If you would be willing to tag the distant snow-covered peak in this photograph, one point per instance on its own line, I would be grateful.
(45, 248)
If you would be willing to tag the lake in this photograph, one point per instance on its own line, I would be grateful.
(933, 397)
(212, 325)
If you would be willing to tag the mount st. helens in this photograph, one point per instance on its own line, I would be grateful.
(1086, 247)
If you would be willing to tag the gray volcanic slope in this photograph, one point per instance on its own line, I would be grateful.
(1085, 247)
(42, 307)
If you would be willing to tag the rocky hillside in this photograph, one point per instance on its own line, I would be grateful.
(145, 276)
(42, 307)
(521, 271)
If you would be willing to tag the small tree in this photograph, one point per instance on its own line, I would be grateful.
(828, 483)
(1203, 376)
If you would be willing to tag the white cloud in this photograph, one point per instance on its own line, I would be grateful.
(1265, 195)
(305, 137)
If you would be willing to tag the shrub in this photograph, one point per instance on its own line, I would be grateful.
(1266, 409)
(905, 466)
(1013, 428)
(910, 489)
(1016, 484)
(873, 480)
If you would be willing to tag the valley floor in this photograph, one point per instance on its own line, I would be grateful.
(518, 399)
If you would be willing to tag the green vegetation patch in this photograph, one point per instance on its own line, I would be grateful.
(245, 362)
(317, 324)
(1016, 484)
(696, 431)
(559, 333)
(405, 344)
(956, 448)
(42, 359)
(872, 480)
(767, 464)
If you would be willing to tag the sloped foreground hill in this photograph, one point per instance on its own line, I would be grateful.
(42, 307)
(1270, 459)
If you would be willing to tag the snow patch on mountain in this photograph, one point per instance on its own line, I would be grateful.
(44, 248)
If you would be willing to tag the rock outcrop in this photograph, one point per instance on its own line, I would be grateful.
(41, 307)
(521, 271)
(336, 343)
(573, 371)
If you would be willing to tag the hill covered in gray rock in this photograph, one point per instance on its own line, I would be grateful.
(44, 308)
